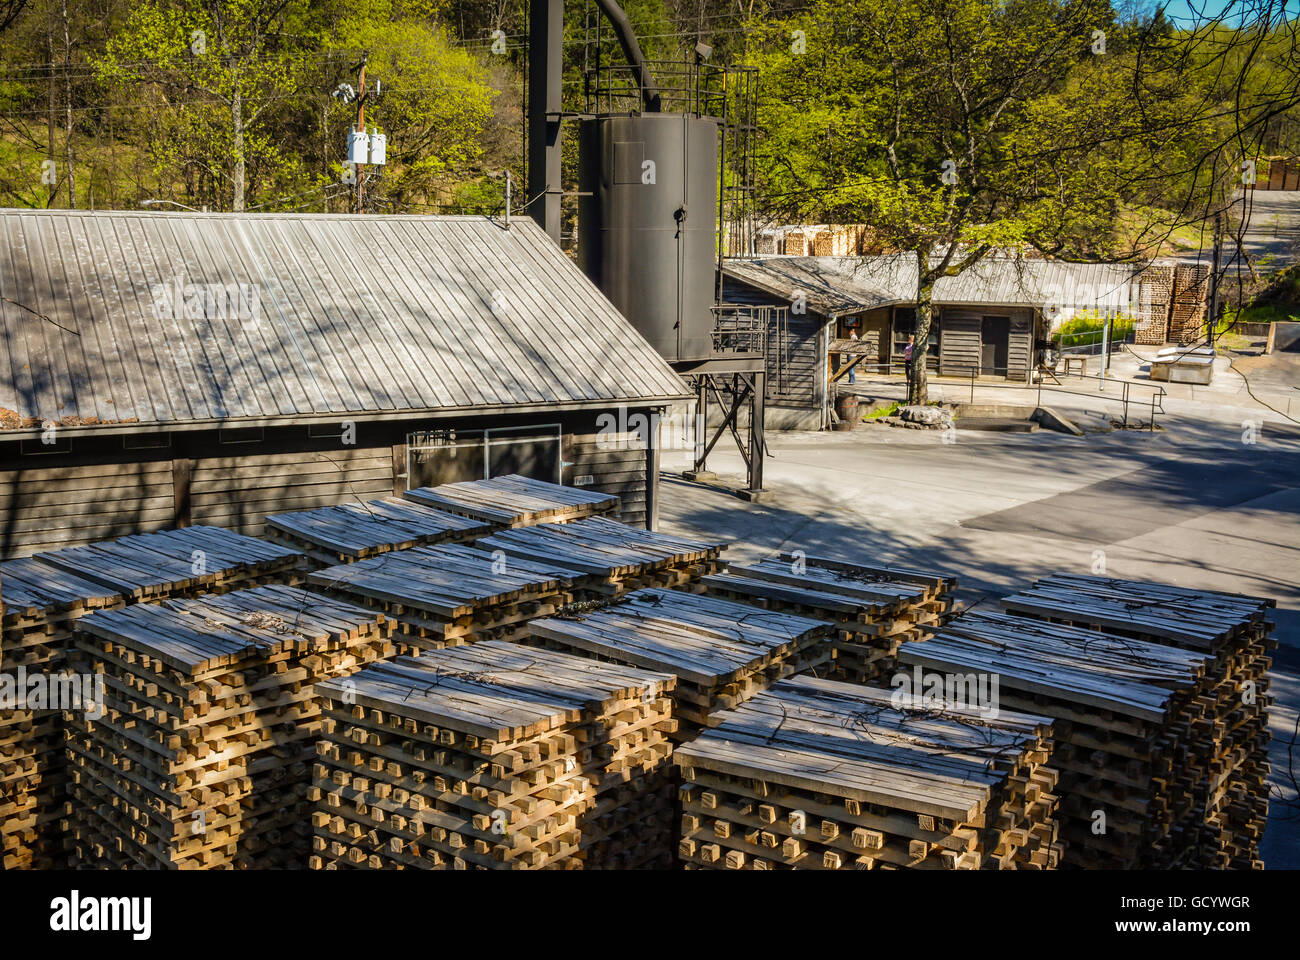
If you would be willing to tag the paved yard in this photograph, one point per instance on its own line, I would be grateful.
(1192, 505)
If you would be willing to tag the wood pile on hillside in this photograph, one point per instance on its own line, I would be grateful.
(874, 608)
(450, 594)
(41, 605)
(824, 775)
(1133, 735)
(352, 531)
(495, 756)
(514, 501)
(721, 653)
(1236, 632)
(1155, 288)
(202, 757)
(1187, 308)
(616, 557)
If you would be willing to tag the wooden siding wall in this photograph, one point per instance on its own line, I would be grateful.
(46, 507)
(1020, 349)
(959, 350)
(97, 489)
(794, 361)
(238, 491)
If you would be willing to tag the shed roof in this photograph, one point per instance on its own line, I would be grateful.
(137, 317)
(839, 286)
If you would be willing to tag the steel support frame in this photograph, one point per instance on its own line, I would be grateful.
(745, 388)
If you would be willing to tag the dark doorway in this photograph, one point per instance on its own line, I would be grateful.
(995, 334)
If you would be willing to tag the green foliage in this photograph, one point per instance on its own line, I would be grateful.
(1088, 328)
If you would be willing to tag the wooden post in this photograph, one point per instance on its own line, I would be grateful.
(652, 472)
(182, 470)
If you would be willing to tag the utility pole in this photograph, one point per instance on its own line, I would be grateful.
(361, 129)
(1214, 279)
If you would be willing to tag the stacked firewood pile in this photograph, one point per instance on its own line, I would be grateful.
(1133, 733)
(495, 756)
(721, 653)
(201, 756)
(823, 775)
(873, 608)
(1232, 742)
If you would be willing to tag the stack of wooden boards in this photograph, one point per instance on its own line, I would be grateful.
(874, 609)
(184, 562)
(1188, 303)
(450, 594)
(495, 756)
(41, 604)
(824, 775)
(1130, 726)
(514, 501)
(1155, 287)
(721, 653)
(1228, 753)
(351, 531)
(202, 755)
(617, 558)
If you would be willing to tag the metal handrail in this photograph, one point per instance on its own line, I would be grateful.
(1157, 398)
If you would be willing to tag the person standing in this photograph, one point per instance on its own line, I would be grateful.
(853, 371)
(907, 355)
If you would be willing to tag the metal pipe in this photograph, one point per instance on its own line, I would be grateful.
(632, 50)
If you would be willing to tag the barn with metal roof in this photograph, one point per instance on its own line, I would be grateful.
(158, 369)
(986, 319)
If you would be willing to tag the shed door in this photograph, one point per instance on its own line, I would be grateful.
(995, 333)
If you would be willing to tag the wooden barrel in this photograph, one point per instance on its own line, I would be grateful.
(846, 408)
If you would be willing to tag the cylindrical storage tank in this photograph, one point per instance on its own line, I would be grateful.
(646, 224)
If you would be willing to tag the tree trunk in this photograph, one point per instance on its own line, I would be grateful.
(70, 155)
(237, 123)
(917, 387)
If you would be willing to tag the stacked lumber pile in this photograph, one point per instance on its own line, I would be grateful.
(41, 604)
(449, 595)
(1131, 727)
(185, 562)
(823, 775)
(495, 756)
(1188, 303)
(874, 609)
(721, 653)
(514, 501)
(203, 756)
(351, 531)
(615, 557)
(1236, 632)
(1155, 289)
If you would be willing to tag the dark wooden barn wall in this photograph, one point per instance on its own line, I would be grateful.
(95, 488)
(1020, 349)
(794, 358)
(960, 346)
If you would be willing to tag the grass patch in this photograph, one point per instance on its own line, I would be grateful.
(1086, 329)
(883, 412)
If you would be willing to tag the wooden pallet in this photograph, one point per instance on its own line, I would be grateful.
(1233, 629)
(450, 594)
(514, 501)
(494, 756)
(202, 758)
(352, 531)
(721, 653)
(824, 775)
(874, 608)
(616, 557)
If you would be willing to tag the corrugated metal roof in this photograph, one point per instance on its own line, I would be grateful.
(342, 314)
(837, 286)
(833, 286)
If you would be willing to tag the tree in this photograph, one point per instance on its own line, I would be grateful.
(960, 128)
(211, 70)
